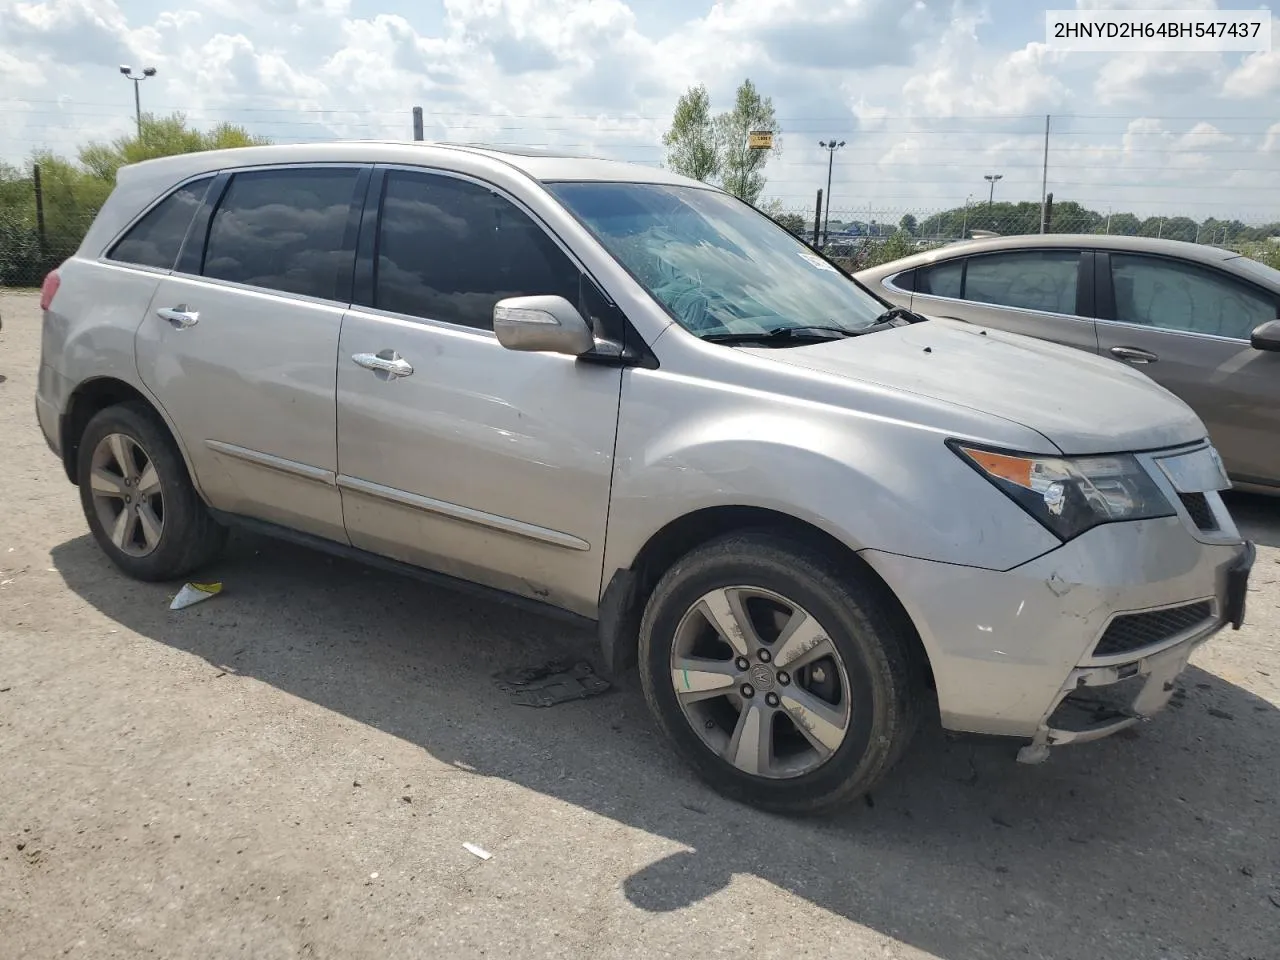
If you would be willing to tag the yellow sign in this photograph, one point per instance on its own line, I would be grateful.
(760, 140)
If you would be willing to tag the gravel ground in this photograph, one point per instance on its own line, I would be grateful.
(291, 770)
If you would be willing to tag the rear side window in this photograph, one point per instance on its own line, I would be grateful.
(449, 249)
(1029, 280)
(285, 230)
(154, 241)
(940, 280)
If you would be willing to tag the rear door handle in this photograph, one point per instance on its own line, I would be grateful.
(179, 316)
(1133, 355)
(386, 362)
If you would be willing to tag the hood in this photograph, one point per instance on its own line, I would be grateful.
(1080, 402)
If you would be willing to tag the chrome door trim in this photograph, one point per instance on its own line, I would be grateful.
(1000, 306)
(1152, 328)
(465, 514)
(271, 462)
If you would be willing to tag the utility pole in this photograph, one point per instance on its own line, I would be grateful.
(1044, 179)
(964, 229)
(417, 123)
(831, 147)
(137, 97)
(40, 231)
(817, 220)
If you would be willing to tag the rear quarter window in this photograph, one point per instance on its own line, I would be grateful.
(154, 241)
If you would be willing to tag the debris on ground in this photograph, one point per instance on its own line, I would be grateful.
(556, 681)
(192, 593)
(480, 852)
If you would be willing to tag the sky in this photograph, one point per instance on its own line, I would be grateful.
(928, 95)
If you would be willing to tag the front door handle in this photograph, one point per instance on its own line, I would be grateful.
(1133, 355)
(179, 316)
(386, 362)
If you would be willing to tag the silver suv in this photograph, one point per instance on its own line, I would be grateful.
(624, 395)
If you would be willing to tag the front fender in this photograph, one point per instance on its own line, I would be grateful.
(869, 481)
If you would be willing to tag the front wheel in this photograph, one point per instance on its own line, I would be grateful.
(781, 674)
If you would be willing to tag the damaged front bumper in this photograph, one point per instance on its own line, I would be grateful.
(1009, 648)
(1097, 701)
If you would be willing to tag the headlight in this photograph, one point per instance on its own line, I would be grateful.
(1071, 495)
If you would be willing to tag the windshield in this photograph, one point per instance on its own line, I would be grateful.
(716, 264)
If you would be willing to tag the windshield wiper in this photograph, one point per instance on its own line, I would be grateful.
(808, 334)
(893, 317)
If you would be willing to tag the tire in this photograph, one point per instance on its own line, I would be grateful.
(159, 527)
(761, 581)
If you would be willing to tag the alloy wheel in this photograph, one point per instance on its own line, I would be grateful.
(127, 494)
(760, 681)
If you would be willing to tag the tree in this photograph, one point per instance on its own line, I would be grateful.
(1121, 225)
(793, 222)
(741, 168)
(691, 142)
(161, 137)
(908, 224)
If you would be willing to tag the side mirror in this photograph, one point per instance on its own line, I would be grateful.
(1266, 336)
(542, 324)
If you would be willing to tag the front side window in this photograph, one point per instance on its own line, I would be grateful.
(284, 230)
(1028, 280)
(1175, 295)
(715, 264)
(450, 249)
(154, 241)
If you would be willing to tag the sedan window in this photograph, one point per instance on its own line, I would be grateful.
(1028, 279)
(1174, 295)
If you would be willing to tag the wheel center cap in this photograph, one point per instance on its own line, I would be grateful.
(761, 676)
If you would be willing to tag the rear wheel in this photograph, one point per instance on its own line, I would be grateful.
(139, 501)
(779, 672)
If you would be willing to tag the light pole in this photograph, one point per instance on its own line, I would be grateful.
(137, 98)
(991, 178)
(831, 146)
(964, 228)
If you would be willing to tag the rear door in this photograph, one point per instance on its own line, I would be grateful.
(1187, 326)
(1042, 293)
(240, 342)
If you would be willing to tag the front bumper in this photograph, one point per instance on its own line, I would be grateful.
(1009, 649)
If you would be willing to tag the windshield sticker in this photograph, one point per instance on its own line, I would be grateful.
(817, 262)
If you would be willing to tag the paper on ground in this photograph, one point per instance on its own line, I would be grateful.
(193, 593)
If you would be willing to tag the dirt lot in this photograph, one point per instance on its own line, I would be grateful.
(291, 770)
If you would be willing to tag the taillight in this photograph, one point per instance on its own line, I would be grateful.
(49, 288)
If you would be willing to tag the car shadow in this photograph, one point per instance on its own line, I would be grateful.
(1158, 840)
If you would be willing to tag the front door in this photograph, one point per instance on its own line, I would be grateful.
(1187, 326)
(454, 453)
(240, 350)
(1037, 293)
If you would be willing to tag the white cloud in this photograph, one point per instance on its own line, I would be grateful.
(1258, 75)
(928, 94)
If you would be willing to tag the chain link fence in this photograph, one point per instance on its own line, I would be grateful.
(43, 219)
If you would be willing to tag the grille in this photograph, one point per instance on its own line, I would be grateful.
(1197, 505)
(1133, 631)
